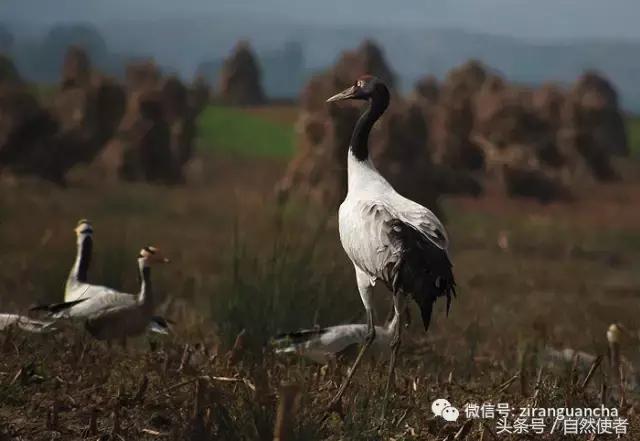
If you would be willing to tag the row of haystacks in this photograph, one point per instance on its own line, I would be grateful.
(472, 129)
(141, 130)
(535, 142)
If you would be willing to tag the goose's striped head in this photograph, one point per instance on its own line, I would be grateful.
(83, 228)
(151, 254)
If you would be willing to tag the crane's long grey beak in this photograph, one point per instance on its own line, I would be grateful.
(347, 94)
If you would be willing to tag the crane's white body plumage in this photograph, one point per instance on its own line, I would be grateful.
(25, 324)
(365, 215)
(386, 236)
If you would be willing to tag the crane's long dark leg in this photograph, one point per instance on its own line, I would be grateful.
(366, 293)
(398, 307)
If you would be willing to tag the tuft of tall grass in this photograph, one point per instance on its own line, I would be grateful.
(282, 287)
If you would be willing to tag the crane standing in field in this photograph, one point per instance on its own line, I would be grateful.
(387, 236)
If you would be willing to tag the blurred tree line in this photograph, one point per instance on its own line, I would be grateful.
(40, 60)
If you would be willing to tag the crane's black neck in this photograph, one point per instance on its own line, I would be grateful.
(378, 102)
(84, 259)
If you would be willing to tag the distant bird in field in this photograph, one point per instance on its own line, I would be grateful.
(324, 344)
(387, 236)
(117, 315)
(25, 324)
(77, 286)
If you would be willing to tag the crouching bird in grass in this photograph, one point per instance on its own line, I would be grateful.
(324, 344)
(117, 315)
(387, 236)
(8, 321)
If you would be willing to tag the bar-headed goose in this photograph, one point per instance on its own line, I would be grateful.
(78, 286)
(117, 315)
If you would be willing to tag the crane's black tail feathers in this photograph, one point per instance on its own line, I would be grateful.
(423, 270)
(54, 308)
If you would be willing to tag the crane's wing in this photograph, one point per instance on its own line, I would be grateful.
(421, 219)
(405, 245)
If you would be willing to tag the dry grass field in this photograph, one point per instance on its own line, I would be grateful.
(529, 276)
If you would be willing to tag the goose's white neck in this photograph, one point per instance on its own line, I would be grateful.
(83, 256)
(145, 294)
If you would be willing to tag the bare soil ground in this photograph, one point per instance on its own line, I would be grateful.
(529, 276)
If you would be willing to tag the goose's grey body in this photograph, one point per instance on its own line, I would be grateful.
(111, 316)
(118, 315)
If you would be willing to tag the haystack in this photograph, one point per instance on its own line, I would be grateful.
(156, 137)
(504, 116)
(452, 119)
(141, 150)
(240, 78)
(367, 58)
(593, 124)
(199, 94)
(142, 74)
(595, 103)
(26, 129)
(76, 68)
(26, 133)
(88, 108)
(9, 75)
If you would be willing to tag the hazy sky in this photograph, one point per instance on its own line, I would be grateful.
(524, 18)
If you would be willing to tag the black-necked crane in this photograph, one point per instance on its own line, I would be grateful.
(388, 237)
(324, 344)
(117, 315)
